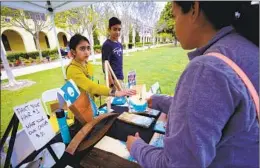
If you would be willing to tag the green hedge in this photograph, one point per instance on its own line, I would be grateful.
(130, 45)
(97, 47)
(139, 44)
(26, 55)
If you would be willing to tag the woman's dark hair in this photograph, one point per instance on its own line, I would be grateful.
(243, 16)
(113, 21)
(75, 40)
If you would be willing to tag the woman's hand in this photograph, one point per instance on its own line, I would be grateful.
(131, 139)
(125, 92)
(149, 99)
(149, 102)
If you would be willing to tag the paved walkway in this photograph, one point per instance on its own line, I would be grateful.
(19, 71)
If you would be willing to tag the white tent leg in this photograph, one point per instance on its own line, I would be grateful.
(8, 70)
(58, 45)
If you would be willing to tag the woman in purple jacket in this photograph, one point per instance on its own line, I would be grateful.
(211, 118)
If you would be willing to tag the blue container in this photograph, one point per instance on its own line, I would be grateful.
(64, 129)
(119, 101)
(137, 107)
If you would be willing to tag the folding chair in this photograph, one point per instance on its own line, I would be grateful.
(21, 149)
(51, 96)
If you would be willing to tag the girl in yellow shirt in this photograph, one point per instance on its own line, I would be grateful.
(81, 72)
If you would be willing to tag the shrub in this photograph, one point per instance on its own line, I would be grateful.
(26, 55)
(97, 47)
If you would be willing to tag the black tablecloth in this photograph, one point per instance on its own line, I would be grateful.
(119, 130)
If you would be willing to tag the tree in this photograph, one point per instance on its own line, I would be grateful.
(80, 20)
(124, 11)
(137, 37)
(95, 35)
(73, 21)
(131, 35)
(167, 20)
(31, 22)
(147, 15)
(105, 13)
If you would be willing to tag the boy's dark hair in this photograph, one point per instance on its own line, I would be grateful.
(113, 21)
(75, 40)
(242, 15)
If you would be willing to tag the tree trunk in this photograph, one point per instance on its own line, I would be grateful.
(133, 37)
(7, 68)
(143, 36)
(143, 40)
(36, 37)
(92, 45)
(126, 40)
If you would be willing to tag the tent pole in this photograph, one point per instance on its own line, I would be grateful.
(58, 45)
(7, 68)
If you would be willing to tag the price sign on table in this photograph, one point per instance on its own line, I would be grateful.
(131, 78)
(35, 122)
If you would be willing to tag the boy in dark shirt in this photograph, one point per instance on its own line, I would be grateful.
(112, 49)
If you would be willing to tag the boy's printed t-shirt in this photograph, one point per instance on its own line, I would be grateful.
(113, 52)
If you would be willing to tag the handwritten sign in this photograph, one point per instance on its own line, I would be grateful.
(131, 78)
(35, 122)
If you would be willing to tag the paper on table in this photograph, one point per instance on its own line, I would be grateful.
(35, 123)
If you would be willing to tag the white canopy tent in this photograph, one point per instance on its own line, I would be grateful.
(46, 7)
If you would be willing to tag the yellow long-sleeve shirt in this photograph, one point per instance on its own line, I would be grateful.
(82, 76)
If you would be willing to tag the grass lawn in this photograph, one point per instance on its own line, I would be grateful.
(164, 65)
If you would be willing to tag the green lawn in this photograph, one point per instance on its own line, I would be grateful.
(163, 64)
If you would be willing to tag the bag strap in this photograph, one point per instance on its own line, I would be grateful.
(96, 137)
(86, 130)
(243, 77)
(101, 158)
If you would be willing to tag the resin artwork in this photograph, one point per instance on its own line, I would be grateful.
(157, 140)
(138, 102)
(110, 144)
(135, 119)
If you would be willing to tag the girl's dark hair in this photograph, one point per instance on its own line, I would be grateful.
(113, 21)
(243, 16)
(75, 40)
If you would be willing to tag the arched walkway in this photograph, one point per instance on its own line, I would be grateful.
(62, 39)
(12, 41)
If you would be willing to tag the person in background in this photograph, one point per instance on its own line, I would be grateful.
(81, 72)
(212, 119)
(112, 49)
